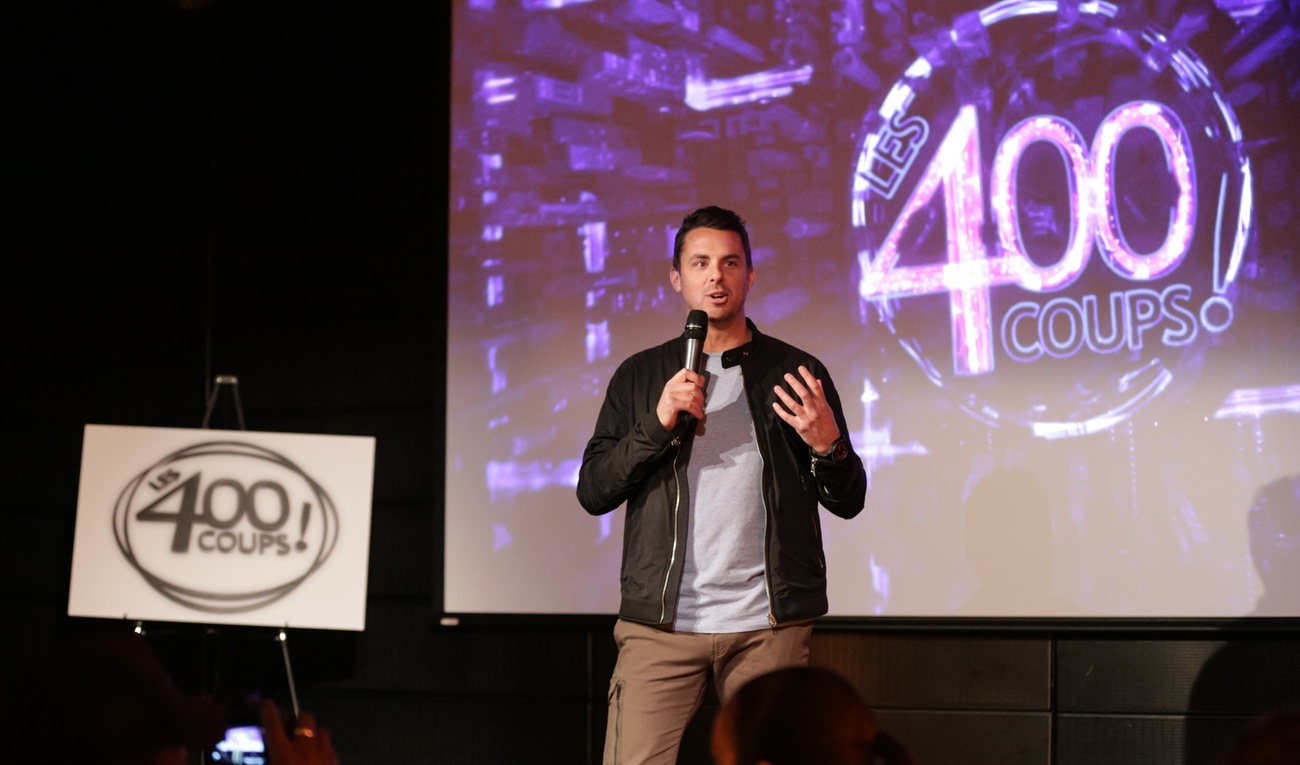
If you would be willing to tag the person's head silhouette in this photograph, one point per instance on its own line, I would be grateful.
(801, 716)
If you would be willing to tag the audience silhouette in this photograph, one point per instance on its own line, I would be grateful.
(802, 716)
(1273, 739)
(108, 699)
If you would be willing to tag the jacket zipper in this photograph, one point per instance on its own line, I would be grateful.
(677, 507)
(762, 493)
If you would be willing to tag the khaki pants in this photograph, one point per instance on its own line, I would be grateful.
(659, 680)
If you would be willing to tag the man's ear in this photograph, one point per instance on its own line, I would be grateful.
(675, 278)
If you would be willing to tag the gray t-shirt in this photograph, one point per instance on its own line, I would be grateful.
(723, 587)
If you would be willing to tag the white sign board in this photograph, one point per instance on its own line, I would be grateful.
(223, 527)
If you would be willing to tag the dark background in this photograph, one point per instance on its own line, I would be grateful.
(258, 188)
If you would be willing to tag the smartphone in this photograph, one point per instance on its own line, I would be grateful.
(243, 745)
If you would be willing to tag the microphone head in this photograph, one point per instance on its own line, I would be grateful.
(697, 325)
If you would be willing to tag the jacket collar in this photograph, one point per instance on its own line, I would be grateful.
(734, 356)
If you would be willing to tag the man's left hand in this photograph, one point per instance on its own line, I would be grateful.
(809, 414)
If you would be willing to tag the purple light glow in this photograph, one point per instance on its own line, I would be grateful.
(703, 94)
(508, 478)
(878, 449)
(1178, 155)
(1156, 379)
(969, 274)
(1256, 402)
(1002, 186)
(539, 5)
(1132, 315)
(595, 246)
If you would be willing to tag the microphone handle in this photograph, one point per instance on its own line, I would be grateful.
(694, 355)
(694, 362)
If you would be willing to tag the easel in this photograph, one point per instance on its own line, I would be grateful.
(212, 635)
(224, 381)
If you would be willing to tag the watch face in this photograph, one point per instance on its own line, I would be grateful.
(839, 450)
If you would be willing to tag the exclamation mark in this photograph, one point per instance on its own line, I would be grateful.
(302, 531)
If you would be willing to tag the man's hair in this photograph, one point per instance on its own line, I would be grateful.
(714, 217)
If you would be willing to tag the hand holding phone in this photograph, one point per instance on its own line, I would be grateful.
(309, 743)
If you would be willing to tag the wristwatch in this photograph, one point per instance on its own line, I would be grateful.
(835, 454)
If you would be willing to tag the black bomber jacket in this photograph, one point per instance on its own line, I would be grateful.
(631, 458)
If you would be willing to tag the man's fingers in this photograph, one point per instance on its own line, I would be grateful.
(805, 387)
(684, 392)
(809, 383)
(796, 385)
(786, 398)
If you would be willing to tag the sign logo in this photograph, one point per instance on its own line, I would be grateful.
(1072, 195)
(235, 508)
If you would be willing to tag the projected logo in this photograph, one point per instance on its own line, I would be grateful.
(224, 526)
(1052, 208)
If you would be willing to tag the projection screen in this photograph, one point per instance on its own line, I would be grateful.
(1048, 251)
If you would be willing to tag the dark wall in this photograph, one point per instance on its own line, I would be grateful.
(258, 188)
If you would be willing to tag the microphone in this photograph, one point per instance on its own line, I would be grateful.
(697, 327)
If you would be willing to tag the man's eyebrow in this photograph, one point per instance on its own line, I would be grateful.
(705, 256)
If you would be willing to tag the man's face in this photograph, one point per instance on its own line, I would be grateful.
(714, 277)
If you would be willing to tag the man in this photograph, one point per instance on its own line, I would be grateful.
(802, 716)
(722, 474)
